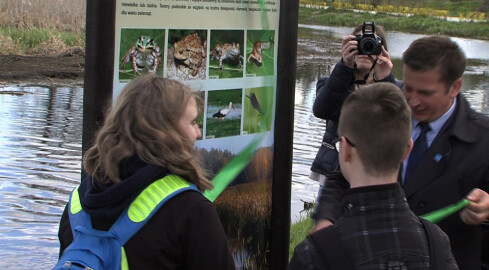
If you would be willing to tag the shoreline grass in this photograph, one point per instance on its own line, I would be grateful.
(464, 10)
(299, 231)
(31, 41)
(419, 24)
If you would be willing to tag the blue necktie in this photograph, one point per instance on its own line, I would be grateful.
(419, 149)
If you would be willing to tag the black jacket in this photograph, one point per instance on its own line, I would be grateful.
(185, 233)
(331, 93)
(377, 231)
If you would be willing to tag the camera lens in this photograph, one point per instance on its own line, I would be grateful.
(369, 46)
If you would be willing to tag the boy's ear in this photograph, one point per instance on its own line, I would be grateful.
(408, 149)
(346, 148)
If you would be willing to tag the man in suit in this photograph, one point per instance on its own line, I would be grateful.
(455, 162)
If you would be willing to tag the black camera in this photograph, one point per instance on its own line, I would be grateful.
(368, 42)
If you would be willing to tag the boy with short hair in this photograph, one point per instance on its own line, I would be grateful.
(377, 229)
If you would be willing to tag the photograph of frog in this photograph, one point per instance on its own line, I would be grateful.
(187, 54)
(226, 55)
(260, 53)
(140, 53)
(223, 118)
(257, 110)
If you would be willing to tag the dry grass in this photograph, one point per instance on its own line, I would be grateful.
(62, 15)
(7, 46)
(42, 27)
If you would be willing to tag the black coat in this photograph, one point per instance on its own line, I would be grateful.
(367, 238)
(331, 93)
(463, 145)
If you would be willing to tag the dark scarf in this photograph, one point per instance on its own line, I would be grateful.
(106, 202)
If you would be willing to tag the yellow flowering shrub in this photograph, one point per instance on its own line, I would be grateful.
(392, 9)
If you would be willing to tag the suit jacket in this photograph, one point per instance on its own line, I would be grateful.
(456, 162)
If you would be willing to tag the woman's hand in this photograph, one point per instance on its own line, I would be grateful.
(384, 65)
(349, 48)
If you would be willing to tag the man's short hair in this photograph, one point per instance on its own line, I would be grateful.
(377, 119)
(429, 53)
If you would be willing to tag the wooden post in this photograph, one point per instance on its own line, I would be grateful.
(99, 67)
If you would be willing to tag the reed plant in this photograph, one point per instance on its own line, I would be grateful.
(62, 15)
(33, 26)
(245, 211)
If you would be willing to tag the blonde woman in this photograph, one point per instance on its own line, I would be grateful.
(148, 134)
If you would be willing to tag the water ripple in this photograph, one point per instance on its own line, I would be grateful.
(40, 159)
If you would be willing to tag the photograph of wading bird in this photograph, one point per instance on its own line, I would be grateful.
(223, 112)
(255, 103)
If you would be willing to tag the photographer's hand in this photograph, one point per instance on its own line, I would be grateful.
(384, 65)
(349, 48)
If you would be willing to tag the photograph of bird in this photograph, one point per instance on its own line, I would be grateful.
(223, 112)
(255, 103)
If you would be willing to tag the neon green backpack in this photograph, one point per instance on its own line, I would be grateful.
(96, 249)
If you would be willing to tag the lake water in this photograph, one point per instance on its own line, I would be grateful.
(40, 143)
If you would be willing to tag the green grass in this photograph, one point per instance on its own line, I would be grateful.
(27, 40)
(455, 8)
(226, 128)
(299, 231)
(414, 24)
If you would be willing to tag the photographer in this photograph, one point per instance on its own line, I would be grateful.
(354, 69)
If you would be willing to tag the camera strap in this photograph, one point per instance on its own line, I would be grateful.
(364, 81)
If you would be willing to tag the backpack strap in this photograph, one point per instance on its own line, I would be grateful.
(330, 249)
(139, 211)
(77, 216)
(435, 244)
(147, 204)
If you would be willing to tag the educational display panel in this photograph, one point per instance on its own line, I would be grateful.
(226, 50)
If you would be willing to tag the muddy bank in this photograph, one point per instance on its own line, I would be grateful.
(57, 70)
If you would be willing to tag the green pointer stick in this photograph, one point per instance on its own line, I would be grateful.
(264, 17)
(444, 212)
(233, 168)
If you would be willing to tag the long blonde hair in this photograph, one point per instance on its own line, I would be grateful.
(144, 122)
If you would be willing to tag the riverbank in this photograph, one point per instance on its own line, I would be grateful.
(417, 24)
(45, 70)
